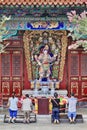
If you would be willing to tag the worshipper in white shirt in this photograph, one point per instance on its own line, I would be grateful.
(26, 108)
(13, 107)
(72, 103)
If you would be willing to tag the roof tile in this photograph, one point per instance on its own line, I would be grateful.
(41, 2)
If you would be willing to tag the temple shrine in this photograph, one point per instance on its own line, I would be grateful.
(39, 53)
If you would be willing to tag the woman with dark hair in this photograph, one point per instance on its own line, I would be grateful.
(55, 108)
(13, 107)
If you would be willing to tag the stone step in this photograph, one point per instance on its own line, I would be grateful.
(47, 119)
(63, 118)
(20, 118)
(1, 117)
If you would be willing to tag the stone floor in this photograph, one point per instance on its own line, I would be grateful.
(44, 122)
(42, 125)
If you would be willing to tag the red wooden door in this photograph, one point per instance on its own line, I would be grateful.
(11, 72)
(77, 73)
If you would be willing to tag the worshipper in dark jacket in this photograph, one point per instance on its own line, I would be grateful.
(55, 108)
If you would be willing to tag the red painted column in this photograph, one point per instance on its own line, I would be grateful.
(26, 80)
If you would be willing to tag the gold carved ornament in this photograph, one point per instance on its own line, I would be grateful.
(74, 85)
(84, 88)
(26, 40)
(63, 55)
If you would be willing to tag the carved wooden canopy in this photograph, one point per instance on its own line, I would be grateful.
(34, 38)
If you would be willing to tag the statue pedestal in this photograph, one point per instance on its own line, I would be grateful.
(36, 93)
(45, 88)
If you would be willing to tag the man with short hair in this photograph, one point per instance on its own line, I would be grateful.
(26, 107)
(72, 102)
